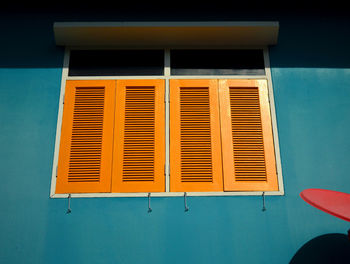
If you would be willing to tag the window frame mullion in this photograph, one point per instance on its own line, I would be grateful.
(167, 118)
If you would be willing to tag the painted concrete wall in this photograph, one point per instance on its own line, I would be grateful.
(311, 78)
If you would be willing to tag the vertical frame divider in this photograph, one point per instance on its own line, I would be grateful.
(64, 77)
(167, 118)
(273, 119)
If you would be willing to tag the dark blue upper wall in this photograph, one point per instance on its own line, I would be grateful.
(313, 27)
(311, 80)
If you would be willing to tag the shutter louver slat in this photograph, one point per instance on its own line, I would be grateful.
(195, 135)
(246, 122)
(139, 129)
(87, 119)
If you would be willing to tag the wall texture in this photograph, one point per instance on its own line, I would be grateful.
(311, 79)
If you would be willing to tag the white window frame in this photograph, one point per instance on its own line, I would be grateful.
(167, 76)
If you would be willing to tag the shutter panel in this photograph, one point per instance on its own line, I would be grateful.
(195, 154)
(85, 156)
(247, 140)
(139, 148)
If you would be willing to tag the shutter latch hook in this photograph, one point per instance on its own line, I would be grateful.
(149, 203)
(185, 200)
(263, 199)
(69, 210)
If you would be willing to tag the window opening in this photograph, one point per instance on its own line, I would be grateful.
(217, 62)
(116, 62)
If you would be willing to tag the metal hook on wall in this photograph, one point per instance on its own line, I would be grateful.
(185, 200)
(69, 210)
(149, 203)
(263, 198)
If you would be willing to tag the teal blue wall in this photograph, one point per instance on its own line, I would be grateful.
(311, 79)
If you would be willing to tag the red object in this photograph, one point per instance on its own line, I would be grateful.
(331, 202)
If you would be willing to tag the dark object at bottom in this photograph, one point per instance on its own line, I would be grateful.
(329, 248)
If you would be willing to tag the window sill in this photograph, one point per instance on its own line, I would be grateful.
(165, 194)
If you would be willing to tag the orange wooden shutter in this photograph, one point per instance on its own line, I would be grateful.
(247, 140)
(139, 148)
(85, 157)
(195, 145)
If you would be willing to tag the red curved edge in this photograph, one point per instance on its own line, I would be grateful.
(320, 208)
